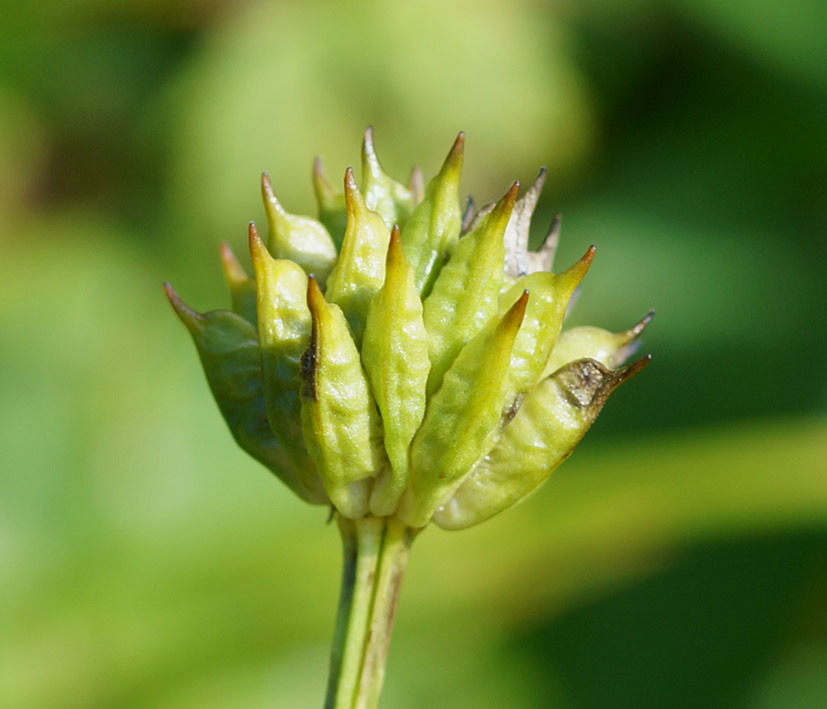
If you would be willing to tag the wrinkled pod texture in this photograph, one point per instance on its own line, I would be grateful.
(400, 356)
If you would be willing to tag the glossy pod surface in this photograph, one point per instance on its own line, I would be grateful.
(399, 357)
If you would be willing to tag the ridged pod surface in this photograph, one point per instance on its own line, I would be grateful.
(402, 357)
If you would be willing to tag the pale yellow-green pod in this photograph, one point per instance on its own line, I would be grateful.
(461, 418)
(242, 287)
(431, 233)
(609, 348)
(388, 198)
(395, 356)
(300, 239)
(331, 204)
(550, 294)
(341, 426)
(284, 327)
(466, 292)
(554, 416)
(360, 270)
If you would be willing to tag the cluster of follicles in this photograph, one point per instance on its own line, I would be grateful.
(402, 355)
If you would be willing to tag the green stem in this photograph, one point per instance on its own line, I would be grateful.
(375, 557)
(392, 563)
(348, 532)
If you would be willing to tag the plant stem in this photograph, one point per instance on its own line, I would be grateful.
(375, 557)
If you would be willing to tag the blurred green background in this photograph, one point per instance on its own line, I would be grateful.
(678, 560)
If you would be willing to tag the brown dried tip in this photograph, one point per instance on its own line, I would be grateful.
(172, 296)
(191, 318)
(354, 201)
(266, 185)
(457, 151)
(635, 331)
(516, 313)
(233, 270)
(271, 202)
(588, 257)
(257, 247)
(589, 383)
(367, 138)
(315, 299)
(511, 195)
(626, 341)
(627, 372)
(574, 274)
(318, 169)
(369, 157)
(395, 252)
(350, 182)
(502, 210)
(524, 298)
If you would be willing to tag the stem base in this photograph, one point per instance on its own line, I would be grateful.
(375, 557)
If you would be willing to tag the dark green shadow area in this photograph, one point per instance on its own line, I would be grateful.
(703, 633)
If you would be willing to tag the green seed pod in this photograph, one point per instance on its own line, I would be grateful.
(284, 333)
(426, 375)
(609, 348)
(388, 198)
(466, 292)
(395, 355)
(550, 294)
(431, 233)
(340, 423)
(461, 418)
(553, 418)
(228, 347)
(242, 287)
(300, 239)
(331, 204)
(360, 271)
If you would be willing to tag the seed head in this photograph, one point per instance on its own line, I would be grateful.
(401, 356)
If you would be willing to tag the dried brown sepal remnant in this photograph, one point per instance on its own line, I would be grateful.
(517, 231)
(467, 216)
(543, 258)
(588, 383)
